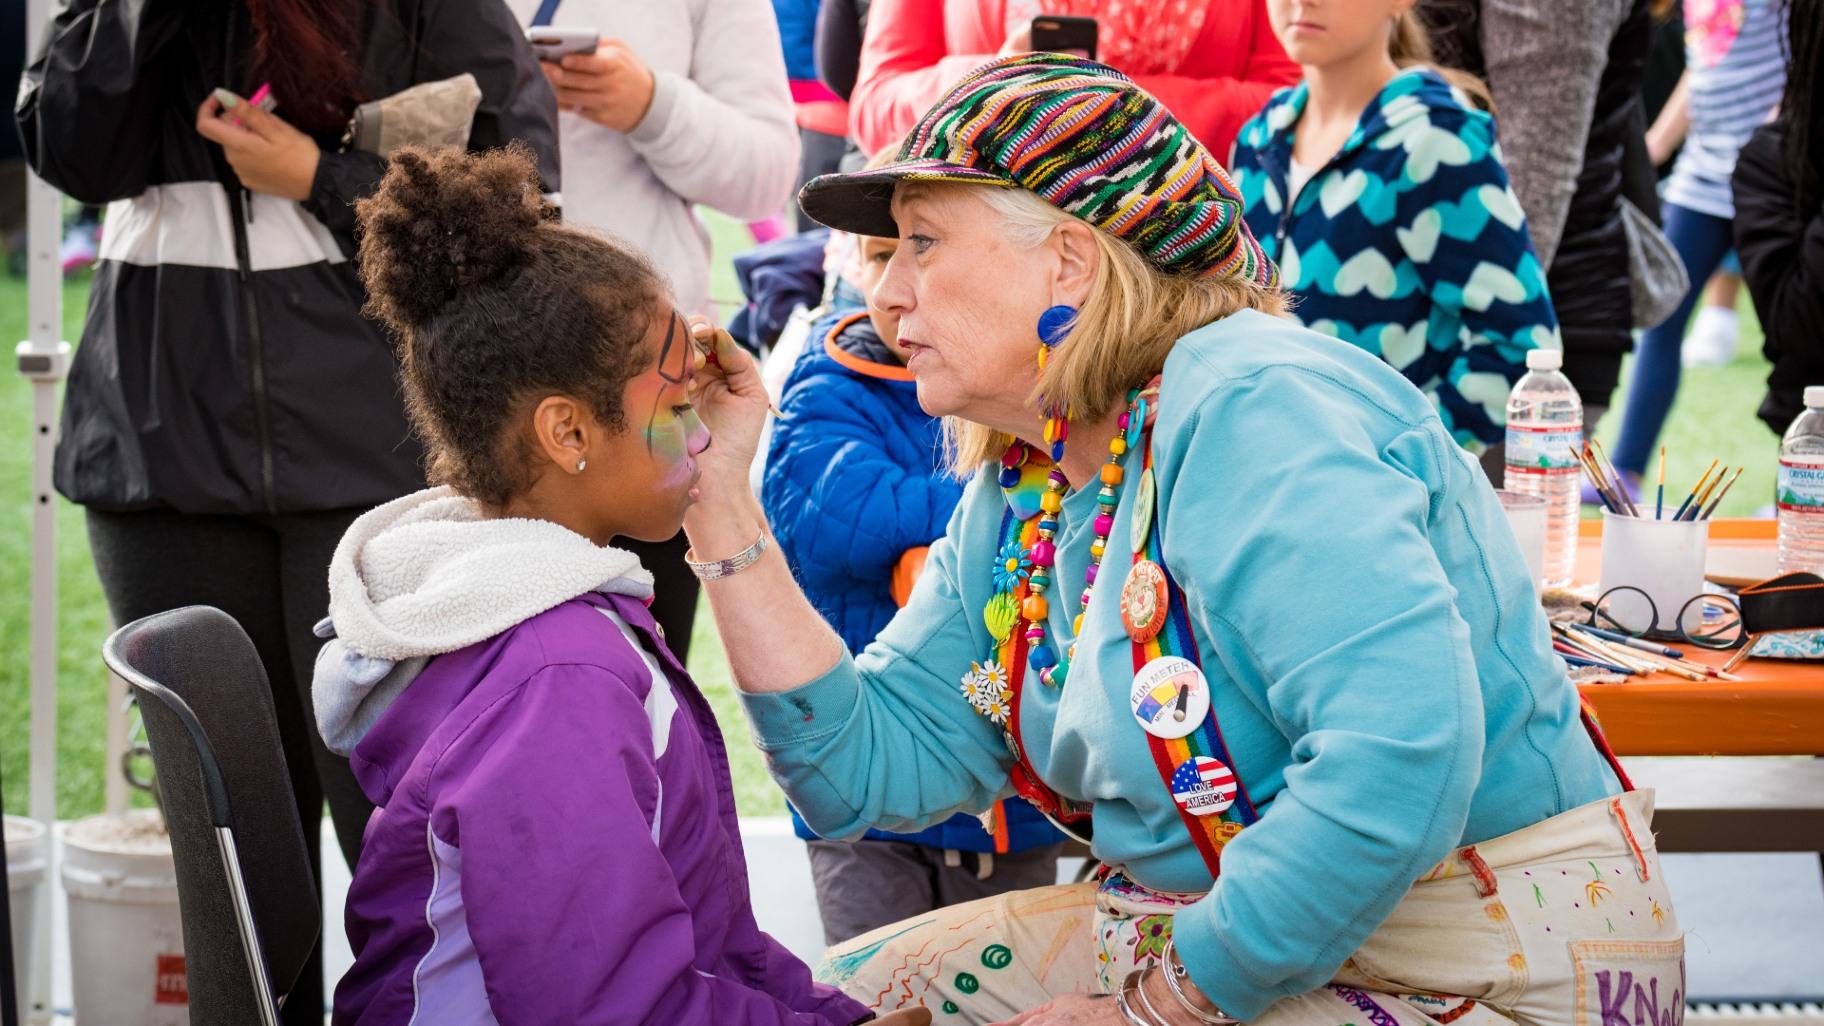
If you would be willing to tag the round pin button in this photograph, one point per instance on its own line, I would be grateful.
(1203, 786)
(1170, 697)
(1145, 495)
(1144, 601)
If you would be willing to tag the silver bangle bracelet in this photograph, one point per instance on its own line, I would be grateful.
(1175, 975)
(1127, 1010)
(718, 569)
(1152, 1012)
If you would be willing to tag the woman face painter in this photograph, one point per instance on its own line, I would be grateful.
(1223, 595)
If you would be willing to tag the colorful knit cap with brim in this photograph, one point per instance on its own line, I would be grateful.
(1088, 141)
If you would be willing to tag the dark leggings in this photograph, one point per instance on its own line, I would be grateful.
(271, 573)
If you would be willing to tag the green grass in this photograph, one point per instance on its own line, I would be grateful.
(1714, 417)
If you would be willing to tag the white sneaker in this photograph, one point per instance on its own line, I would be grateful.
(1711, 342)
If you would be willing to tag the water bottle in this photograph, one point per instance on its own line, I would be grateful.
(1544, 436)
(1801, 488)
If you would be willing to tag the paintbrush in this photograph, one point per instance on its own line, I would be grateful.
(1592, 650)
(1698, 506)
(1596, 481)
(1659, 501)
(1689, 499)
(1719, 495)
(1583, 661)
(707, 337)
(1621, 487)
(1618, 499)
(1601, 480)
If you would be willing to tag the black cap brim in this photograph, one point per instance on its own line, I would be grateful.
(861, 202)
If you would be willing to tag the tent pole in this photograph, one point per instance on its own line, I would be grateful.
(43, 359)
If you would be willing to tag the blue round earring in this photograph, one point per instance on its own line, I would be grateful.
(1055, 323)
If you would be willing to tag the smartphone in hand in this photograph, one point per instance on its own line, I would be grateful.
(554, 43)
(1065, 33)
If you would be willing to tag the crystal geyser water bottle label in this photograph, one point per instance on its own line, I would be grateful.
(1543, 450)
(1801, 487)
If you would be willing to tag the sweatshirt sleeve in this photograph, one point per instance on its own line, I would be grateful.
(1545, 61)
(723, 136)
(885, 739)
(905, 68)
(838, 500)
(94, 105)
(1349, 635)
(544, 808)
(1463, 230)
(481, 38)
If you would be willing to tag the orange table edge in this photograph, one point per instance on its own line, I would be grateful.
(1776, 709)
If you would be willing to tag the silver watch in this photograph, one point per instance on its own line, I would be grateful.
(734, 564)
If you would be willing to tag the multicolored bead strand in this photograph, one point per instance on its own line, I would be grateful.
(1108, 499)
(1041, 655)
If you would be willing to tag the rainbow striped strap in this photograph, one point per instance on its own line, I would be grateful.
(1007, 664)
(1170, 755)
(1587, 713)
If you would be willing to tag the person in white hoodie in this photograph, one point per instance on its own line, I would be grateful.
(683, 102)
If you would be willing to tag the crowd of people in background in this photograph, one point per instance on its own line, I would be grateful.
(1490, 184)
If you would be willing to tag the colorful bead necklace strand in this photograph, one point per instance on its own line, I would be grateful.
(1041, 656)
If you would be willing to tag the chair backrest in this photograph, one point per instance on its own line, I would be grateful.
(235, 837)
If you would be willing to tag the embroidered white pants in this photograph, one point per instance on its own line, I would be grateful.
(1564, 923)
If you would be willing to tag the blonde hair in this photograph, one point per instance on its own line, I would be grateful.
(1123, 331)
(1410, 47)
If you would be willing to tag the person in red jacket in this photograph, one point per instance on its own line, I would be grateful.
(1212, 62)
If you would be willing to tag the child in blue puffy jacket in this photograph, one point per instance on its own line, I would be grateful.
(1378, 188)
(854, 481)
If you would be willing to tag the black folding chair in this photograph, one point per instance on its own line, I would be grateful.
(244, 886)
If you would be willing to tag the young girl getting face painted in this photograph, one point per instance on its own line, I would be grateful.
(628, 476)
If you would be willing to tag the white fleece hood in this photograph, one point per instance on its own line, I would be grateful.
(431, 573)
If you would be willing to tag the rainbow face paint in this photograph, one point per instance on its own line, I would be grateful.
(672, 431)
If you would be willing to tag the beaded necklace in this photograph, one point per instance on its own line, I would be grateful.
(1042, 656)
(1034, 490)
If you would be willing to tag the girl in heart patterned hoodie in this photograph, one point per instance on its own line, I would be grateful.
(1407, 242)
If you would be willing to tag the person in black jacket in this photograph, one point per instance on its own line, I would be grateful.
(1779, 222)
(1565, 76)
(230, 411)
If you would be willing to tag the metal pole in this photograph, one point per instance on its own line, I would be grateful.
(43, 358)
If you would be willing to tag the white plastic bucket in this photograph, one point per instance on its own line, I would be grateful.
(27, 854)
(126, 939)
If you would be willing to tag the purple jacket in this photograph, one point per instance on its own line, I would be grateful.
(556, 843)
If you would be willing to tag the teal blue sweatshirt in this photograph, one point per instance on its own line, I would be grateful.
(1383, 674)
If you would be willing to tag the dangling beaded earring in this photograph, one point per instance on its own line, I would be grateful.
(1054, 324)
